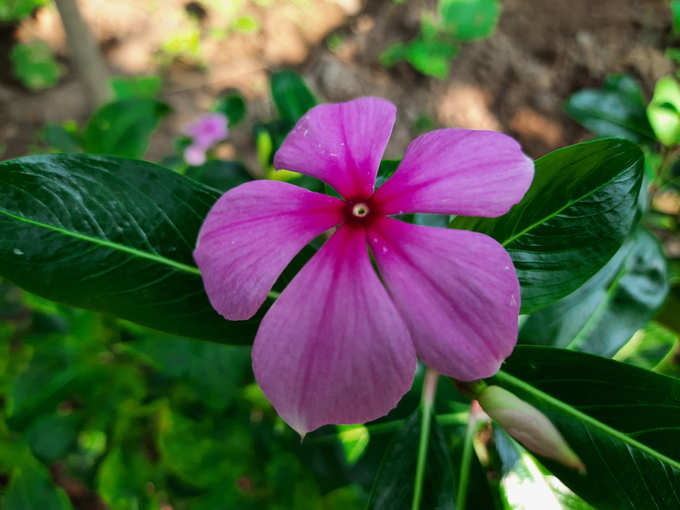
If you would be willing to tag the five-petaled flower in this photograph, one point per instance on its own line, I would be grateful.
(205, 132)
(339, 345)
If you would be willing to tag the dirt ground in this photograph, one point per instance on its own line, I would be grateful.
(516, 81)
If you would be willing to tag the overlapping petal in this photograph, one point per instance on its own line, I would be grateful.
(457, 291)
(458, 171)
(249, 236)
(341, 144)
(333, 348)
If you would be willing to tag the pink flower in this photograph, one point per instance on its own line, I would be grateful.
(339, 345)
(206, 131)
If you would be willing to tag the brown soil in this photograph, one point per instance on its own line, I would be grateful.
(516, 81)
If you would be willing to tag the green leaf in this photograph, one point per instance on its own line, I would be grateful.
(664, 111)
(64, 138)
(50, 436)
(604, 313)
(393, 485)
(135, 87)
(622, 421)
(467, 20)
(650, 348)
(617, 109)
(233, 106)
(123, 128)
(221, 175)
(34, 65)
(31, 488)
(291, 96)
(123, 480)
(675, 12)
(111, 235)
(430, 56)
(525, 485)
(577, 213)
(14, 10)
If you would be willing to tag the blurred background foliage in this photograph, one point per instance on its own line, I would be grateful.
(100, 413)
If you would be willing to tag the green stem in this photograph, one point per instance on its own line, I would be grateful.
(429, 390)
(474, 424)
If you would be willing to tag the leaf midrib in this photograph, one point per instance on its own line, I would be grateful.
(566, 206)
(106, 243)
(510, 379)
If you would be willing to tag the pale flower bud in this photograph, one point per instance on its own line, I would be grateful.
(528, 425)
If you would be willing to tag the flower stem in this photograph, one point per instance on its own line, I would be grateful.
(474, 423)
(429, 390)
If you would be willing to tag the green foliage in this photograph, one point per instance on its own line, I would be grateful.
(467, 20)
(617, 109)
(123, 128)
(604, 313)
(675, 13)
(233, 106)
(291, 96)
(438, 42)
(120, 235)
(393, 485)
(32, 489)
(664, 111)
(619, 419)
(135, 87)
(581, 206)
(15, 10)
(34, 65)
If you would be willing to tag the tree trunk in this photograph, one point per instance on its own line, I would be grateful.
(84, 53)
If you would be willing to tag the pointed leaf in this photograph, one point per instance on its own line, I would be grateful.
(578, 211)
(622, 421)
(604, 313)
(112, 235)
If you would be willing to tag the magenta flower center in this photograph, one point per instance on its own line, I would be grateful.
(361, 211)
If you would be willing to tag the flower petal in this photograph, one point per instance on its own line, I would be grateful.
(333, 348)
(341, 144)
(458, 171)
(251, 234)
(457, 291)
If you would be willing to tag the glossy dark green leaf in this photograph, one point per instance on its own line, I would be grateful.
(617, 109)
(221, 175)
(622, 421)
(580, 208)
(112, 235)
(604, 313)
(123, 128)
(291, 96)
(233, 106)
(394, 482)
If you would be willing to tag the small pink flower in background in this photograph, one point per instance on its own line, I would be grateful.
(206, 131)
(339, 345)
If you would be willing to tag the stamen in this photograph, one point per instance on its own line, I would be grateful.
(360, 210)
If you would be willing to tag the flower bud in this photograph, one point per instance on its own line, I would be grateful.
(528, 425)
